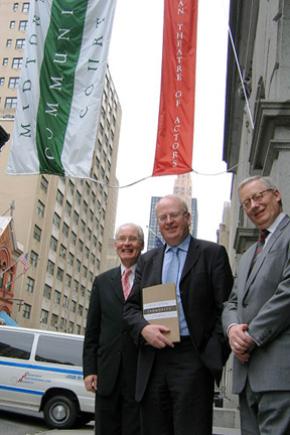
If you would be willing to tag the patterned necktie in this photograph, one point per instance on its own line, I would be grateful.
(126, 282)
(261, 242)
(173, 266)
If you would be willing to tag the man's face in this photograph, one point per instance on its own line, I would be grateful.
(173, 220)
(128, 245)
(260, 203)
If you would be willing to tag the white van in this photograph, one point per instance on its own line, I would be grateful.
(42, 371)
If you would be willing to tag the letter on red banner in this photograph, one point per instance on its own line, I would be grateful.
(173, 154)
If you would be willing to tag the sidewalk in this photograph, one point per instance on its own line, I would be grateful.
(90, 431)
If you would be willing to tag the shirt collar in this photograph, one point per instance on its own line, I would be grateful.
(183, 246)
(123, 268)
(276, 222)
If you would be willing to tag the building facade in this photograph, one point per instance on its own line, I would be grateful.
(65, 224)
(257, 113)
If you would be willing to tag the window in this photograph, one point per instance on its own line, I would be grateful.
(50, 267)
(76, 285)
(53, 244)
(26, 311)
(33, 258)
(68, 280)
(73, 306)
(83, 226)
(40, 208)
(22, 25)
(56, 220)
(16, 345)
(54, 321)
(20, 43)
(59, 274)
(10, 102)
(74, 238)
(12, 25)
(71, 327)
(78, 265)
(8, 43)
(59, 197)
(65, 301)
(71, 187)
(85, 271)
(44, 183)
(79, 197)
(57, 297)
(13, 82)
(5, 61)
(68, 208)
(15, 7)
(59, 350)
(80, 310)
(25, 8)
(30, 285)
(37, 233)
(81, 245)
(70, 259)
(65, 229)
(47, 291)
(2, 81)
(44, 317)
(76, 217)
(62, 325)
(62, 251)
(17, 62)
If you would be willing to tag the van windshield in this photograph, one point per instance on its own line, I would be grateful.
(59, 350)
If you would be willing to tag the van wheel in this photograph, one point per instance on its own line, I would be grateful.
(60, 412)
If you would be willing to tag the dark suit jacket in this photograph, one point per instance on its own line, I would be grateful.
(205, 284)
(107, 341)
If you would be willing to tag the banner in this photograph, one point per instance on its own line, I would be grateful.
(60, 92)
(173, 154)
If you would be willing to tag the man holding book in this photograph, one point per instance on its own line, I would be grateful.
(175, 380)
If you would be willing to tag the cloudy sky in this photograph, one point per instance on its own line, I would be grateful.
(135, 64)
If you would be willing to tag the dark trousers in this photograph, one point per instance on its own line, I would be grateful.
(179, 396)
(118, 413)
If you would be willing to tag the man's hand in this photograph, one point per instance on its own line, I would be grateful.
(155, 335)
(240, 341)
(90, 382)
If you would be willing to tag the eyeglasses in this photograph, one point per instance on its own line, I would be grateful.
(257, 197)
(124, 239)
(171, 216)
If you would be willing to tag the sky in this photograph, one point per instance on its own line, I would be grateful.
(135, 57)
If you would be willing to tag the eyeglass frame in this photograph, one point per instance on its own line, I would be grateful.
(257, 197)
(173, 216)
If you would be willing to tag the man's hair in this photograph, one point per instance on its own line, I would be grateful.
(267, 181)
(137, 227)
(179, 198)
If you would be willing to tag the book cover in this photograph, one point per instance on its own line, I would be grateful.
(160, 307)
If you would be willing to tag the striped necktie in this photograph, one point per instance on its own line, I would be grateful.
(126, 282)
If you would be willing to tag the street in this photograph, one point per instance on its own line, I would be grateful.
(19, 423)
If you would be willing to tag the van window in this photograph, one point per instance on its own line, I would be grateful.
(59, 350)
(15, 345)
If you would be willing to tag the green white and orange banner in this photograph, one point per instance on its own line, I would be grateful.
(61, 87)
(174, 145)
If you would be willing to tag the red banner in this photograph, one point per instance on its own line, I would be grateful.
(174, 144)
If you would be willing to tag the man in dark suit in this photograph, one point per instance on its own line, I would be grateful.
(256, 317)
(175, 381)
(110, 356)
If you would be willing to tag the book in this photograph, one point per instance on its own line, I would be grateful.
(160, 307)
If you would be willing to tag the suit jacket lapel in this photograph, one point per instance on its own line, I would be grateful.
(117, 284)
(261, 257)
(191, 258)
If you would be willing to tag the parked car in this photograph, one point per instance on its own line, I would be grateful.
(42, 371)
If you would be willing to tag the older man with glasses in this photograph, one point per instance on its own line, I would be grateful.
(256, 317)
(110, 356)
(175, 381)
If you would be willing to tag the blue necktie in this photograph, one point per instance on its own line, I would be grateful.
(173, 266)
